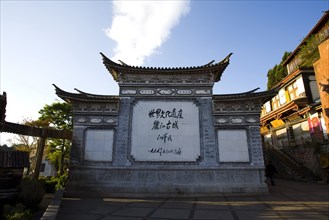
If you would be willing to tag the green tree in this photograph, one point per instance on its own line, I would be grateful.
(278, 72)
(58, 116)
(28, 143)
(309, 52)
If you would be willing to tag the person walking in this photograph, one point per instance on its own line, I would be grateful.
(270, 171)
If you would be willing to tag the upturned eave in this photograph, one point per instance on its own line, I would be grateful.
(261, 97)
(210, 68)
(82, 96)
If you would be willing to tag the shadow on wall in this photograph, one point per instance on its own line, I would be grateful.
(325, 87)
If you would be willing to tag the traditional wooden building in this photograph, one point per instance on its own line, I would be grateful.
(295, 121)
(166, 134)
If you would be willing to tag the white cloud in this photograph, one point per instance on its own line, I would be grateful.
(140, 27)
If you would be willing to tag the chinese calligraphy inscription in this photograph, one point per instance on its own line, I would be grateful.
(165, 131)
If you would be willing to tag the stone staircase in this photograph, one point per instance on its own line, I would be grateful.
(288, 168)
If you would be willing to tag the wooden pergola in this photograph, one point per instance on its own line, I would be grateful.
(42, 133)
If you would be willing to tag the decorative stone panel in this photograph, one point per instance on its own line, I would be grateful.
(165, 131)
(95, 120)
(99, 108)
(166, 91)
(173, 79)
(241, 106)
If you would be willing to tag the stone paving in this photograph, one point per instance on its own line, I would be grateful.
(286, 200)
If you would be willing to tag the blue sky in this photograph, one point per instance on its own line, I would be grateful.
(46, 42)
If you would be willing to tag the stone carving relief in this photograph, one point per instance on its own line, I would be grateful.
(229, 107)
(252, 107)
(236, 120)
(95, 120)
(98, 108)
(219, 106)
(222, 120)
(128, 92)
(172, 78)
(81, 120)
(203, 92)
(146, 92)
(108, 107)
(79, 108)
(184, 92)
(114, 107)
(111, 120)
(165, 91)
(252, 120)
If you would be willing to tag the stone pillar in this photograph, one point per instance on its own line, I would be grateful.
(208, 132)
(77, 148)
(255, 144)
(321, 68)
(122, 137)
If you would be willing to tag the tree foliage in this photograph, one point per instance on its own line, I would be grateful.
(28, 143)
(309, 52)
(59, 116)
(24, 142)
(277, 73)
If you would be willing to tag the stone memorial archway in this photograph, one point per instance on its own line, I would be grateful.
(166, 134)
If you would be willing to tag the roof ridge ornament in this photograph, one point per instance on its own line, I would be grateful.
(210, 63)
(254, 90)
(79, 91)
(122, 63)
(227, 58)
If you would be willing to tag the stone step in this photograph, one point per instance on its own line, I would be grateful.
(297, 170)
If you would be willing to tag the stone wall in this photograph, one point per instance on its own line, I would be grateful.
(165, 182)
(206, 175)
(306, 156)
